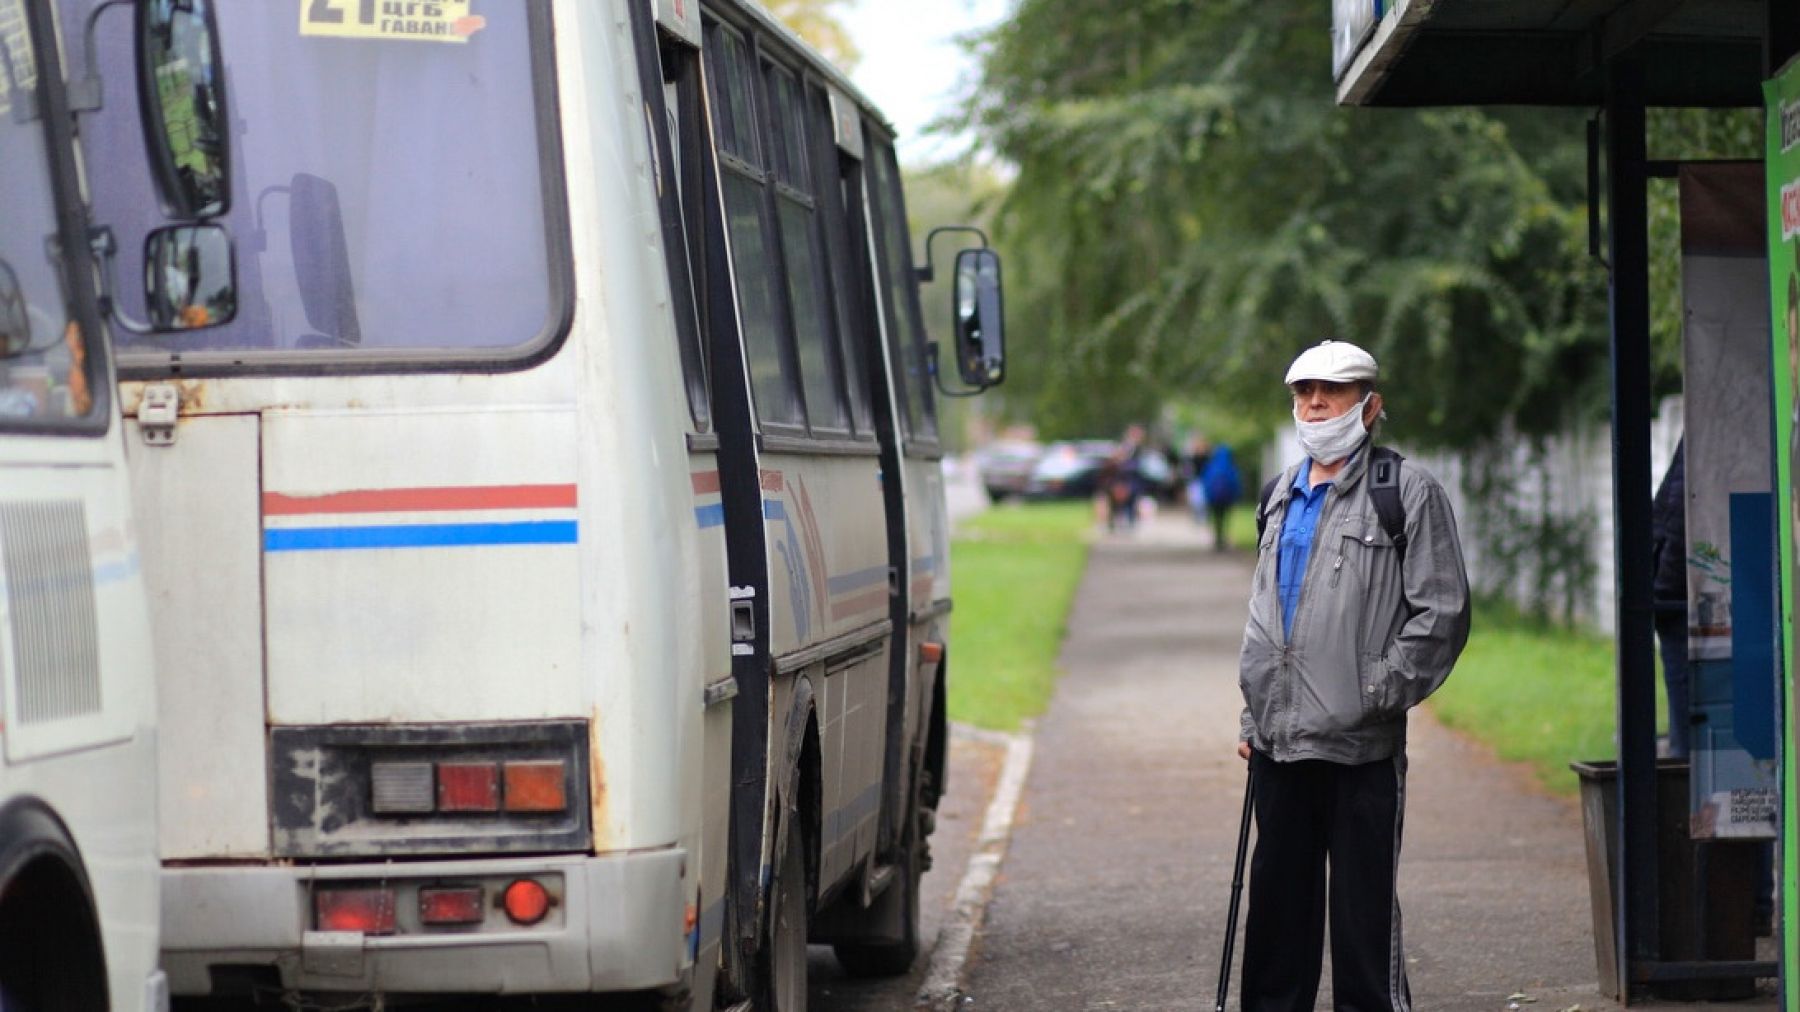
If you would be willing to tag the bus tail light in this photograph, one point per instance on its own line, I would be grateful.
(451, 905)
(368, 910)
(537, 786)
(525, 901)
(468, 787)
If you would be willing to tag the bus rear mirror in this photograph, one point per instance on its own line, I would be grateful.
(190, 277)
(980, 326)
(15, 318)
(181, 84)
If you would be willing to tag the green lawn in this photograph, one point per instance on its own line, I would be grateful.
(1535, 693)
(1014, 571)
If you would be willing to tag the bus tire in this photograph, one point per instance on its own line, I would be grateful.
(51, 958)
(785, 974)
(899, 906)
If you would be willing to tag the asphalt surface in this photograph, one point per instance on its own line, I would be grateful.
(1113, 891)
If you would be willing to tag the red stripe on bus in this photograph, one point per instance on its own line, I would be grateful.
(705, 482)
(871, 600)
(772, 481)
(422, 500)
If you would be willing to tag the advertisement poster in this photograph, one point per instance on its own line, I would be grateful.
(1725, 336)
(1782, 171)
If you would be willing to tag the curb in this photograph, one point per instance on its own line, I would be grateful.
(951, 951)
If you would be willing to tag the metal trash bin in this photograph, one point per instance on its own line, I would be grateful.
(1705, 889)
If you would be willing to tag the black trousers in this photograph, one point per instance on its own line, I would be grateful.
(1312, 814)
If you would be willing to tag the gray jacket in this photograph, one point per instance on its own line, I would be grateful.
(1369, 642)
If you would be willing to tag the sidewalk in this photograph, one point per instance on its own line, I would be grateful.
(1114, 889)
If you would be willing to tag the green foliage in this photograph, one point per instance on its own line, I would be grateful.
(1191, 208)
(817, 22)
(1015, 571)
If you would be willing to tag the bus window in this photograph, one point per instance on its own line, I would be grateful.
(681, 222)
(45, 377)
(753, 258)
(906, 340)
(851, 286)
(796, 199)
(394, 197)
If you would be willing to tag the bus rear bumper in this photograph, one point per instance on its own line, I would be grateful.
(616, 924)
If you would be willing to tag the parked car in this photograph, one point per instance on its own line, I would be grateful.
(1069, 470)
(1005, 467)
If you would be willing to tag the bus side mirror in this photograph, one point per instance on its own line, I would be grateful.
(980, 325)
(181, 89)
(15, 318)
(190, 277)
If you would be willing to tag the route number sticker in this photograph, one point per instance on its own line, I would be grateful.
(409, 20)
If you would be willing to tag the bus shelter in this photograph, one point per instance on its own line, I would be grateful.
(1620, 58)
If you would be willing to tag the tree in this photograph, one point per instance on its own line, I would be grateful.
(1191, 208)
(816, 21)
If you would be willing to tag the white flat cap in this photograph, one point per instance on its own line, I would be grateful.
(1337, 361)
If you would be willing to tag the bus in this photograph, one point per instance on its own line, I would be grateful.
(79, 874)
(548, 555)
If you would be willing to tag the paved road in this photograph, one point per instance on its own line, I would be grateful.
(1113, 891)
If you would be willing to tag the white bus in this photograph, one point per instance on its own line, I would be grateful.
(79, 876)
(549, 560)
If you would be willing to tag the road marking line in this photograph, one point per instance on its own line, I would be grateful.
(977, 886)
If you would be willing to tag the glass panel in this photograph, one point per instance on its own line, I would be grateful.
(388, 193)
(897, 266)
(681, 77)
(777, 399)
(43, 374)
(790, 131)
(813, 333)
(733, 95)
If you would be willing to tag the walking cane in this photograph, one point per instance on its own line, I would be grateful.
(1237, 887)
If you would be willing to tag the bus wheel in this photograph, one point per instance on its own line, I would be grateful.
(788, 926)
(898, 910)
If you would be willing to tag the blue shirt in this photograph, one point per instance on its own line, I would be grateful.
(1303, 509)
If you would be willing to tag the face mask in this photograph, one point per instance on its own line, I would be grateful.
(1333, 439)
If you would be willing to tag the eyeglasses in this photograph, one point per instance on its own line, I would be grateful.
(1305, 388)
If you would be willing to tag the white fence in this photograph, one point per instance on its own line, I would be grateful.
(1536, 521)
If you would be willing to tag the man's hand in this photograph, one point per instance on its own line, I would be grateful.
(1243, 750)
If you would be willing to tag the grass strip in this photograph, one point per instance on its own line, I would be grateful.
(1014, 570)
(1536, 693)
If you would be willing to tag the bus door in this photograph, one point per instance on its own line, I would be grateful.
(920, 542)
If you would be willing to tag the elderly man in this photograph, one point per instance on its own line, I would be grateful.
(1358, 609)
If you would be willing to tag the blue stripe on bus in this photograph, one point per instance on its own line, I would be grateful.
(710, 516)
(313, 539)
(848, 582)
(774, 510)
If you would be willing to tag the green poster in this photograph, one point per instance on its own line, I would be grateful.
(1782, 119)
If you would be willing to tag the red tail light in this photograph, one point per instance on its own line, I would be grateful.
(525, 901)
(536, 786)
(370, 911)
(459, 905)
(468, 787)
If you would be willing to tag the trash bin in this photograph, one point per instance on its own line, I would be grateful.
(1705, 889)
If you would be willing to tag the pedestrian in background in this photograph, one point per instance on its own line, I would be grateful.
(1669, 591)
(1224, 487)
(1349, 628)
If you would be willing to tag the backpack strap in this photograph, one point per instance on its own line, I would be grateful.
(1262, 507)
(1384, 492)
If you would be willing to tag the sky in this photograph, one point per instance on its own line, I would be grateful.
(911, 63)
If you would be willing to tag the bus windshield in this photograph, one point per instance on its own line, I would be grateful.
(389, 199)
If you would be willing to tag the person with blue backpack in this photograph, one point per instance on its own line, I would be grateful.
(1223, 486)
(1359, 607)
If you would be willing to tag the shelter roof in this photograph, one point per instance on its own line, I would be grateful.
(1703, 53)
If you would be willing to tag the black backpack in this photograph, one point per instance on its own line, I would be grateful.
(1384, 492)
